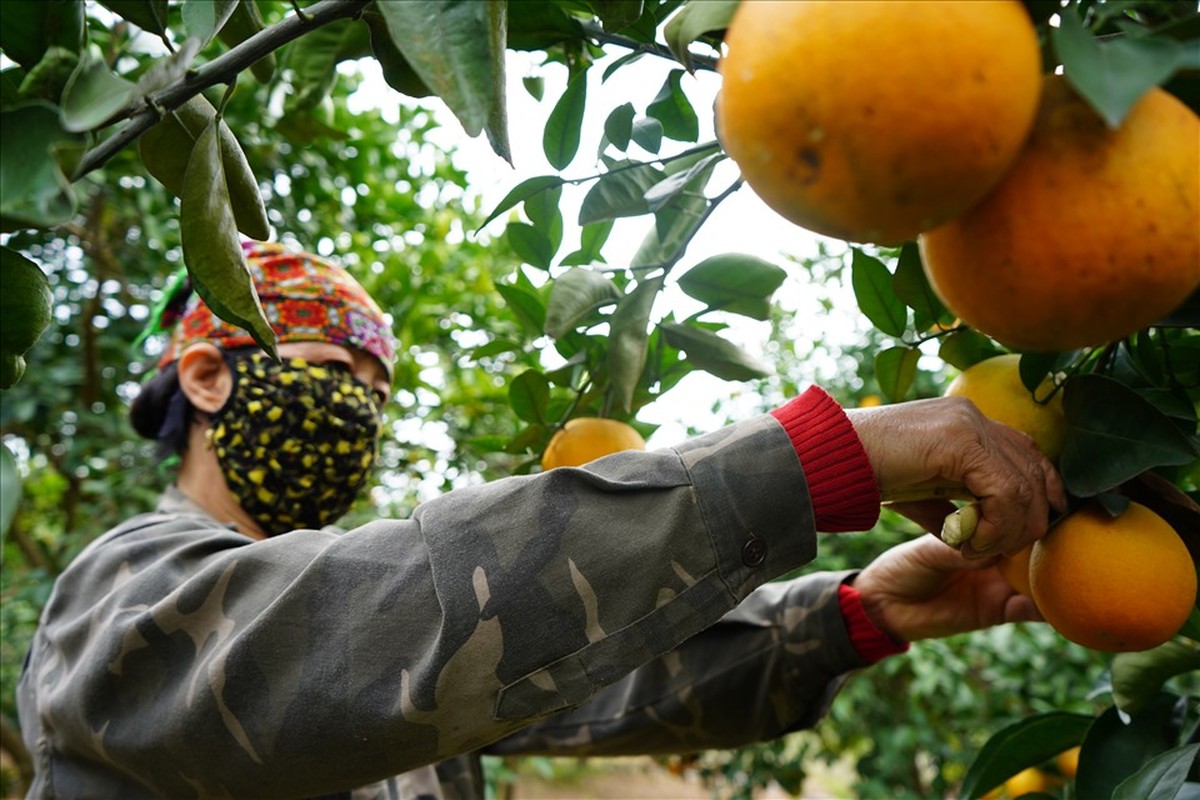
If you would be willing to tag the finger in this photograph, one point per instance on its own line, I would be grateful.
(1020, 608)
(1017, 482)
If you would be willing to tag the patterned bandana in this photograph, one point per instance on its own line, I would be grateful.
(295, 440)
(306, 299)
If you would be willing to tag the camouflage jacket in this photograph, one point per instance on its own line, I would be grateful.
(614, 609)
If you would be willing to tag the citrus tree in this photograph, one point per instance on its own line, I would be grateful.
(1063, 230)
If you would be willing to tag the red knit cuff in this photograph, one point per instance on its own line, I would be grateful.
(871, 643)
(841, 483)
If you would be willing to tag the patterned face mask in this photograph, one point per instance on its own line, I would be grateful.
(295, 441)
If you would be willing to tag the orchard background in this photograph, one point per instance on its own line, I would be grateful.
(505, 336)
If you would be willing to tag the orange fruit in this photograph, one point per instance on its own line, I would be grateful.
(994, 386)
(1113, 583)
(1092, 235)
(1068, 762)
(1027, 780)
(1015, 569)
(875, 120)
(585, 439)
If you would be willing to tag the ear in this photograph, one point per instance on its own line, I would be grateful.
(204, 377)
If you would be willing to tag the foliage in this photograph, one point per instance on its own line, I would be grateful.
(505, 340)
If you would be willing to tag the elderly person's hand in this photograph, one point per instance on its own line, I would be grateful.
(925, 589)
(949, 440)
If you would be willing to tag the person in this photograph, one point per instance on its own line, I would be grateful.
(231, 643)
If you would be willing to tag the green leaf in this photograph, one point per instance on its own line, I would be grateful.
(539, 26)
(895, 370)
(313, 59)
(149, 15)
(397, 72)
(94, 94)
(451, 46)
(530, 244)
(526, 305)
(734, 282)
(211, 248)
(167, 70)
(1115, 748)
(1114, 434)
(672, 108)
(1191, 628)
(619, 193)
(34, 192)
(542, 210)
(648, 134)
(691, 180)
(574, 296)
(535, 86)
(166, 150)
(713, 354)
(45, 81)
(1161, 778)
(618, 127)
(204, 18)
(1023, 744)
(966, 347)
(673, 225)
(618, 63)
(1033, 367)
(560, 140)
(911, 285)
(31, 27)
(693, 21)
(529, 394)
(592, 238)
(617, 14)
(627, 339)
(495, 348)
(1137, 678)
(522, 192)
(873, 290)
(10, 488)
(1112, 75)
(241, 25)
(496, 127)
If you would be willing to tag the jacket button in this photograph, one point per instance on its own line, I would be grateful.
(754, 552)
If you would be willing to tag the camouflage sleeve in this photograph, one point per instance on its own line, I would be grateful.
(771, 666)
(204, 663)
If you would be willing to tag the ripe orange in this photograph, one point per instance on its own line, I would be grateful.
(585, 439)
(994, 386)
(1027, 780)
(1093, 234)
(1113, 584)
(1068, 762)
(1015, 569)
(875, 120)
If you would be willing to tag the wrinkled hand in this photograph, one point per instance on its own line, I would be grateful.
(925, 589)
(948, 439)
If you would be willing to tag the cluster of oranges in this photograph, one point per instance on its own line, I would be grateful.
(1038, 224)
(882, 122)
(1111, 583)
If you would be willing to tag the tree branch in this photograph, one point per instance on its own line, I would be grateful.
(593, 31)
(222, 69)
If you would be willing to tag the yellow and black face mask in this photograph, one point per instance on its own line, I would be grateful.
(295, 440)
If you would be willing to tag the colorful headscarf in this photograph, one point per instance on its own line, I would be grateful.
(306, 299)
